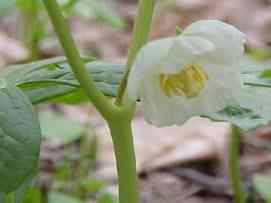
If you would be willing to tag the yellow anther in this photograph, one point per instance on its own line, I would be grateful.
(189, 82)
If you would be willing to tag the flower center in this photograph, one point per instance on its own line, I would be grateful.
(189, 82)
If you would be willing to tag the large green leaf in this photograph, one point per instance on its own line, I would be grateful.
(19, 138)
(53, 79)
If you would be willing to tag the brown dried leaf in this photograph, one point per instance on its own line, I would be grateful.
(198, 139)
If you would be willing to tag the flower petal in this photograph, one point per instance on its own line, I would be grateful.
(222, 89)
(161, 110)
(185, 50)
(228, 40)
(146, 63)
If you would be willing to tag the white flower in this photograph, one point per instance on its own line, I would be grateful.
(192, 74)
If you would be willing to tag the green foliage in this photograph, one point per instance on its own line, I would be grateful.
(32, 195)
(28, 6)
(19, 138)
(56, 197)
(106, 198)
(253, 105)
(56, 127)
(53, 80)
(257, 78)
(93, 9)
(92, 186)
(263, 186)
(21, 191)
(179, 30)
(242, 117)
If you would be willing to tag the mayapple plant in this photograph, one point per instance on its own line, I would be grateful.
(179, 77)
(196, 73)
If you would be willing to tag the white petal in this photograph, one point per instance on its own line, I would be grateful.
(146, 62)
(161, 110)
(222, 89)
(185, 50)
(229, 41)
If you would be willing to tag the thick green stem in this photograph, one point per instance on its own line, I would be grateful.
(119, 118)
(102, 104)
(140, 37)
(126, 163)
(234, 166)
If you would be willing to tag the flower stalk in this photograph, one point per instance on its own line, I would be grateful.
(121, 132)
(102, 104)
(139, 38)
(118, 117)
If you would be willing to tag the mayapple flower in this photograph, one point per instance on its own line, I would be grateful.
(192, 74)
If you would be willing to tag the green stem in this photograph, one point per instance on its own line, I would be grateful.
(126, 163)
(9, 198)
(103, 105)
(119, 118)
(32, 27)
(140, 37)
(31, 33)
(234, 165)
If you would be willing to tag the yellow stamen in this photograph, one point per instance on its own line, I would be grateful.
(189, 82)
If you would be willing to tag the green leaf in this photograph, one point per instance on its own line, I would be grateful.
(21, 191)
(92, 186)
(19, 138)
(244, 118)
(253, 107)
(53, 80)
(32, 195)
(263, 186)
(179, 30)
(15, 73)
(58, 128)
(256, 73)
(106, 197)
(266, 74)
(28, 6)
(257, 78)
(56, 197)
